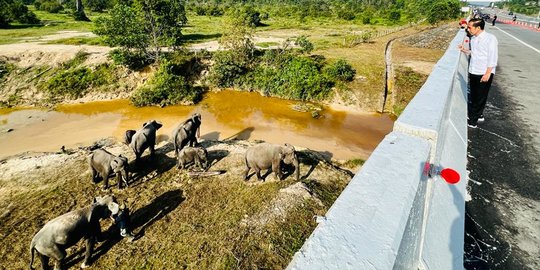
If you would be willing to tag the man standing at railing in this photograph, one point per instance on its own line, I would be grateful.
(484, 54)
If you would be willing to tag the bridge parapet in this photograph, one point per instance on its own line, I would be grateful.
(393, 214)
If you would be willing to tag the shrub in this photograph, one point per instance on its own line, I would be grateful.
(74, 83)
(346, 14)
(50, 6)
(79, 58)
(298, 78)
(227, 68)
(394, 15)
(5, 69)
(166, 88)
(134, 60)
(70, 83)
(340, 70)
(305, 45)
(208, 10)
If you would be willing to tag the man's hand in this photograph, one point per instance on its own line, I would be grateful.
(485, 77)
(463, 49)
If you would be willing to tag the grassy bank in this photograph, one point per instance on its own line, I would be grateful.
(218, 222)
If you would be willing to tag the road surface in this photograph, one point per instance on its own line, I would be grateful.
(503, 215)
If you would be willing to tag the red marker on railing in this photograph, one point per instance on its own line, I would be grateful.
(449, 175)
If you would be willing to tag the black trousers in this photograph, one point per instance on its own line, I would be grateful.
(478, 96)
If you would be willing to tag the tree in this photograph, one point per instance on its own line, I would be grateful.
(97, 5)
(145, 26)
(15, 10)
(79, 14)
(442, 10)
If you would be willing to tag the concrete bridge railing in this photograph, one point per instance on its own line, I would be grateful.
(394, 214)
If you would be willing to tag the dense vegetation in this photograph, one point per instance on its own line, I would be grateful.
(15, 10)
(365, 11)
(72, 80)
(523, 6)
(147, 32)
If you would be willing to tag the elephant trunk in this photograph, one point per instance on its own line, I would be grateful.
(125, 176)
(32, 249)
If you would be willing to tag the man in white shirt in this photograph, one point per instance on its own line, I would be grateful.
(484, 54)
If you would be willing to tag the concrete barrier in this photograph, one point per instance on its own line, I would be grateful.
(393, 214)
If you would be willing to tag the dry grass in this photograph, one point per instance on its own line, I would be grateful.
(182, 222)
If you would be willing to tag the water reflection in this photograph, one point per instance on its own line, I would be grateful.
(225, 115)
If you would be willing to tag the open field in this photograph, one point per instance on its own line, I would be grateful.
(332, 39)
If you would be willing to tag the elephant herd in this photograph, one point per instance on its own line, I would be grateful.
(66, 230)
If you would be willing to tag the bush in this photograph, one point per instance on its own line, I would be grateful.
(305, 45)
(5, 69)
(134, 60)
(166, 88)
(346, 14)
(70, 83)
(227, 69)
(74, 83)
(208, 10)
(394, 15)
(340, 70)
(298, 78)
(79, 58)
(50, 6)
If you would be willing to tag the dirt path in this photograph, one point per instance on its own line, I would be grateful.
(35, 52)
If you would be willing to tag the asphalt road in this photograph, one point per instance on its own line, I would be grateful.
(502, 226)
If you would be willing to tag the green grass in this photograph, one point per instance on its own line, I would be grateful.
(78, 41)
(351, 163)
(51, 23)
(219, 222)
(267, 44)
(408, 82)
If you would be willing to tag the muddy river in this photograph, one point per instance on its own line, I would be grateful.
(225, 115)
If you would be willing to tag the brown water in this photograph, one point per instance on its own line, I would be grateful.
(225, 115)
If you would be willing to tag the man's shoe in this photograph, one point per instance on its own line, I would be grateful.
(472, 125)
(481, 119)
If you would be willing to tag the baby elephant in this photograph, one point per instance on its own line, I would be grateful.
(265, 156)
(103, 164)
(196, 155)
(66, 230)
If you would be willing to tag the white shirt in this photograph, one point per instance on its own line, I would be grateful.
(484, 53)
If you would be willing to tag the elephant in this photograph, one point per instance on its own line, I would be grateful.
(143, 138)
(265, 156)
(103, 164)
(66, 230)
(129, 135)
(197, 155)
(186, 133)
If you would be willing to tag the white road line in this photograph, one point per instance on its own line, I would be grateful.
(536, 50)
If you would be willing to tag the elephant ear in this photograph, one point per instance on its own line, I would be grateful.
(202, 153)
(113, 207)
(289, 147)
(115, 163)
